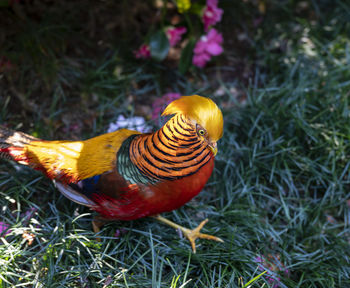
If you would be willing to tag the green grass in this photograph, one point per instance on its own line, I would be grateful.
(281, 182)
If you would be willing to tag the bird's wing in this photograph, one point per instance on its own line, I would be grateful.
(71, 161)
(74, 194)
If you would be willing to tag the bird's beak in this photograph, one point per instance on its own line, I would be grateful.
(213, 148)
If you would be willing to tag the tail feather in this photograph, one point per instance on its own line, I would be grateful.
(12, 143)
(9, 137)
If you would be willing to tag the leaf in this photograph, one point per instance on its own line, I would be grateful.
(4, 3)
(159, 46)
(254, 279)
(197, 9)
(186, 56)
(183, 5)
(28, 237)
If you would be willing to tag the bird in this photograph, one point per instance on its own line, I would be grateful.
(127, 175)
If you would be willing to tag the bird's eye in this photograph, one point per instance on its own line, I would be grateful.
(201, 132)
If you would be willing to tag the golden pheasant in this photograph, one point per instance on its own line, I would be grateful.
(126, 175)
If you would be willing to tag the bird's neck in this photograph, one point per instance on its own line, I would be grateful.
(178, 135)
(172, 152)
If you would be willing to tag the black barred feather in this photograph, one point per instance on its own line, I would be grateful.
(171, 153)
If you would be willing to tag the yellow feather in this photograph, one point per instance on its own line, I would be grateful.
(77, 160)
(201, 109)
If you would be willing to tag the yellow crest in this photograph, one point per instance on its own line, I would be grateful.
(201, 109)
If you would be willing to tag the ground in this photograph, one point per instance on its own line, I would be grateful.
(279, 195)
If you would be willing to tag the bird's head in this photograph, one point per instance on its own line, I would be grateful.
(204, 113)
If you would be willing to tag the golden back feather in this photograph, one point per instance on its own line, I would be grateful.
(201, 109)
(77, 160)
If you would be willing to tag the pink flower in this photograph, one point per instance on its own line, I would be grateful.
(74, 127)
(5, 64)
(29, 214)
(12, 2)
(144, 52)
(211, 14)
(4, 228)
(208, 45)
(174, 34)
(273, 264)
(160, 103)
(119, 232)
